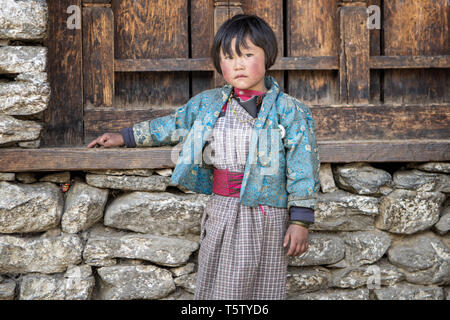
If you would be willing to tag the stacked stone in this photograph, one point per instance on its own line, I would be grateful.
(24, 90)
(128, 234)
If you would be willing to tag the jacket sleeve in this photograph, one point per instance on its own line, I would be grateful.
(167, 130)
(302, 157)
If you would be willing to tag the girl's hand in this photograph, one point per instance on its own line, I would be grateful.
(297, 236)
(108, 140)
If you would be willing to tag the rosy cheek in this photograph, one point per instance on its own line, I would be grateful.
(257, 69)
(226, 71)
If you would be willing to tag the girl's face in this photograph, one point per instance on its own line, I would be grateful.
(246, 71)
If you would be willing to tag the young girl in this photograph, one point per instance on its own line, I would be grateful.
(259, 162)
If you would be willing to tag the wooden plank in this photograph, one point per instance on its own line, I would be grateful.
(272, 13)
(409, 62)
(375, 50)
(354, 72)
(206, 64)
(416, 28)
(151, 29)
(163, 65)
(63, 118)
(82, 159)
(311, 31)
(98, 56)
(202, 35)
(337, 122)
(382, 122)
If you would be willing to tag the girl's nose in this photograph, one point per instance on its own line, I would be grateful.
(238, 63)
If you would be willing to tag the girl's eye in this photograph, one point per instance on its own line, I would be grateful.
(249, 54)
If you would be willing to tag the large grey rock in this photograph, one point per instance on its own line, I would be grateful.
(326, 178)
(130, 183)
(365, 247)
(29, 93)
(20, 59)
(372, 276)
(334, 294)
(322, 249)
(439, 167)
(418, 180)
(29, 208)
(183, 270)
(361, 178)
(343, 211)
(23, 19)
(303, 279)
(407, 212)
(84, 207)
(134, 282)
(44, 255)
(424, 258)
(157, 213)
(407, 291)
(101, 250)
(14, 130)
(74, 285)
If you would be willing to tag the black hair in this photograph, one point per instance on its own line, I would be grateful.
(240, 26)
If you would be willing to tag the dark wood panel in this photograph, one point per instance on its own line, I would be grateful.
(74, 159)
(98, 56)
(63, 119)
(150, 29)
(409, 62)
(311, 31)
(416, 28)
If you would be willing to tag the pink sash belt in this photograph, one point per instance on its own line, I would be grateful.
(227, 183)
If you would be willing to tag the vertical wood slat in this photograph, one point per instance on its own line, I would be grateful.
(63, 119)
(98, 56)
(202, 35)
(375, 50)
(312, 30)
(354, 69)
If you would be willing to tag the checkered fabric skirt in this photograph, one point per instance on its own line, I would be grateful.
(241, 253)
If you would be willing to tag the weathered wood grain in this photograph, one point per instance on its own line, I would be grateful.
(98, 56)
(63, 119)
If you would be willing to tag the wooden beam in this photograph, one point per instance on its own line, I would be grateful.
(81, 159)
(335, 122)
(409, 62)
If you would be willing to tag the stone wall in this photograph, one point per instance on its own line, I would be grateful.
(381, 232)
(24, 90)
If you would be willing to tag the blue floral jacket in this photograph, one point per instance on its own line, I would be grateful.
(282, 168)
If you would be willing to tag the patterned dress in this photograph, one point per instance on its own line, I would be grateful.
(241, 253)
